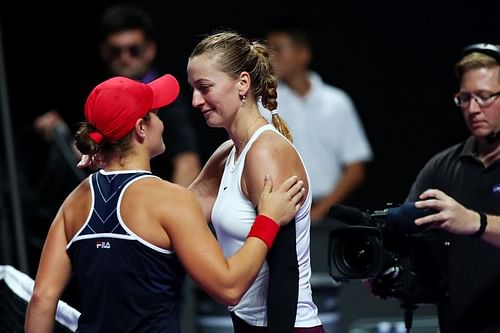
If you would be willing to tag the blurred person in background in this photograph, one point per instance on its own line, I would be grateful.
(328, 133)
(323, 119)
(129, 49)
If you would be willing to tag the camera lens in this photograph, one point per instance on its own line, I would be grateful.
(358, 257)
(357, 254)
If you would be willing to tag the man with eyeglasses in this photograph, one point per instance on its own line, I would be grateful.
(466, 264)
(128, 45)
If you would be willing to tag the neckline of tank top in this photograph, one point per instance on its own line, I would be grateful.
(233, 162)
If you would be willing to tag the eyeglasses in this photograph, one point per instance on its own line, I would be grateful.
(483, 99)
(113, 52)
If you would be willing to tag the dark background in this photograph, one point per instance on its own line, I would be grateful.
(395, 59)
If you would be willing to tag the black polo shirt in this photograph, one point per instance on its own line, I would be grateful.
(472, 265)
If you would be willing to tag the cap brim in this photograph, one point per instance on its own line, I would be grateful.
(165, 90)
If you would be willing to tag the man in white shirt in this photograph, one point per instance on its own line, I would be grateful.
(329, 135)
(324, 122)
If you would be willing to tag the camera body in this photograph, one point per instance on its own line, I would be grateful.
(400, 259)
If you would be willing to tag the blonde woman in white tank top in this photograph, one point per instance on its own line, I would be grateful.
(228, 74)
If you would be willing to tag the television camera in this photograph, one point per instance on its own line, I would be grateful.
(397, 258)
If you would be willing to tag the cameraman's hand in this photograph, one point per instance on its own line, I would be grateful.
(450, 216)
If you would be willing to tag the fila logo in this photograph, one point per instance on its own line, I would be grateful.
(102, 245)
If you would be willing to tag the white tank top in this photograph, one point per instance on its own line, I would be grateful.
(232, 216)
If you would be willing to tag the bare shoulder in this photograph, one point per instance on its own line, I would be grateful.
(271, 154)
(271, 145)
(155, 191)
(172, 205)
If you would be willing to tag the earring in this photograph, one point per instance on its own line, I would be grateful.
(243, 98)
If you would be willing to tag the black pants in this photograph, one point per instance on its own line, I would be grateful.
(240, 326)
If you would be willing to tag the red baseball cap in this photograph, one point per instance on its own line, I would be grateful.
(114, 105)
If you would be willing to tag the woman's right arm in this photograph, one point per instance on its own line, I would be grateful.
(226, 279)
(53, 274)
(54, 268)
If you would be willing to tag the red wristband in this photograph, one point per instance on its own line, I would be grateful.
(264, 228)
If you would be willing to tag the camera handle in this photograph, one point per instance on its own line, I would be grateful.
(408, 308)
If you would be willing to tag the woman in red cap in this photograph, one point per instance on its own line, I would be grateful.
(125, 236)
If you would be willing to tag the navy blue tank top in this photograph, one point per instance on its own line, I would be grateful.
(125, 284)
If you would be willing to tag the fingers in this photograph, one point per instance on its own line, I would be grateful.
(268, 184)
(437, 200)
(94, 162)
(428, 203)
(84, 161)
(431, 193)
(288, 183)
(297, 191)
(426, 220)
(432, 199)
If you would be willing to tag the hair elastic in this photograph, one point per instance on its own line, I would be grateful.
(96, 137)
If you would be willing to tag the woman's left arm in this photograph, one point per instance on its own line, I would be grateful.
(280, 160)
